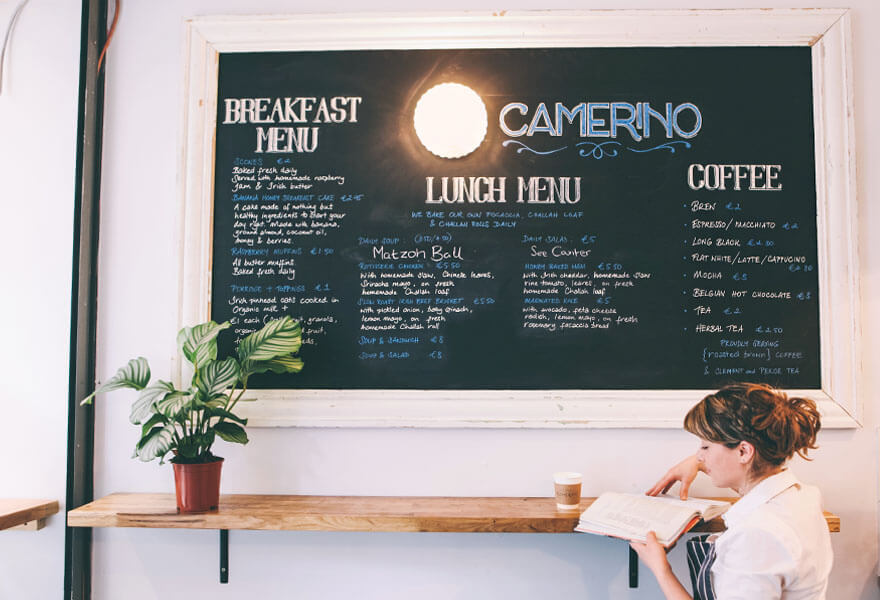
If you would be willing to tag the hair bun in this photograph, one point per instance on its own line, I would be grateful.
(789, 425)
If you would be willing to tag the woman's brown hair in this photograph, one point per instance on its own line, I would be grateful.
(776, 425)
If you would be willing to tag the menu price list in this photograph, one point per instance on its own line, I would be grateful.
(745, 272)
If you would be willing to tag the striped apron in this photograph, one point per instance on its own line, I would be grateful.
(700, 556)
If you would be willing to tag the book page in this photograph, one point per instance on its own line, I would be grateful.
(707, 509)
(633, 516)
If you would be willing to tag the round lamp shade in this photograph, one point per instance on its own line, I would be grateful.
(450, 120)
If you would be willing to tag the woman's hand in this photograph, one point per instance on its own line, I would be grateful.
(653, 555)
(685, 472)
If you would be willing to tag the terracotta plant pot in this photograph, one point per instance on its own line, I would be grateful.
(197, 486)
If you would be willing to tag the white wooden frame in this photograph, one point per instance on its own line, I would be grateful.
(826, 31)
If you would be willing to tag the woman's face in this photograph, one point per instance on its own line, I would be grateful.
(727, 467)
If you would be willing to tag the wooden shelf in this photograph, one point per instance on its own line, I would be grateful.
(25, 513)
(346, 513)
(349, 513)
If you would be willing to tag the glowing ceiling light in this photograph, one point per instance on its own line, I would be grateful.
(450, 120)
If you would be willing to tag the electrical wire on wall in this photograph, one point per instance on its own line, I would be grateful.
(109, 34)
(11, 26)
(6, 37)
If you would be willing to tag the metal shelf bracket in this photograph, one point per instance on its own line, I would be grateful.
(224, 556)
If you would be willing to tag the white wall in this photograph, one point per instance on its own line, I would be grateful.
(37, 150)
(138, 315)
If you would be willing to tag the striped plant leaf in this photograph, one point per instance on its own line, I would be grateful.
(199, 344)
(282, 364)
(143, 406)
(277, 338)
(156, 419)
(231, 432)
(135, 375)
(217, 377)
(221, 412)
(173, 403)
(156, 443)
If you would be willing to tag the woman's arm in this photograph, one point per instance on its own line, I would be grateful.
(654, 556)
(685, 472)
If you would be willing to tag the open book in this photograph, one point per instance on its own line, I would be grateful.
(632, 516)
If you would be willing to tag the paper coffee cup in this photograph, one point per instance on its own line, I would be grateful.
(568, 490)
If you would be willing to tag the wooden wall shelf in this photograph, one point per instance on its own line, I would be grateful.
(25, 513)
(346, 513)
(349, 513)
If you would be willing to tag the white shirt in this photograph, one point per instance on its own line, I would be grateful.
(776, 545)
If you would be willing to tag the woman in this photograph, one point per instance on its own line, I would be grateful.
(776, 544)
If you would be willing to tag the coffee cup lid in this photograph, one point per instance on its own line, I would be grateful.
(567, 477)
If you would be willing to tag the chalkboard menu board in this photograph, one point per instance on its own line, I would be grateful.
(634, 218)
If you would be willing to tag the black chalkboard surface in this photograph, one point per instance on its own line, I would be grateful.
(635, 218)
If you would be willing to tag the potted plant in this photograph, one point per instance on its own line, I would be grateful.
(185, 423)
